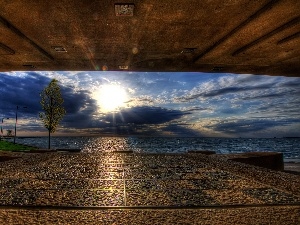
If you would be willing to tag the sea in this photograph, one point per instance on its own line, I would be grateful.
(290, 147)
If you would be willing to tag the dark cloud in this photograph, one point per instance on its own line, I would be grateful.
(21, 91)
(224, 91)
(294, 83)
(230, 110)
(25, 91)
(182, 131)
(144, 99)
(273, 95)
(251, 125)
(231, 90)
(144, 115)
(80, 108)
(197, 108)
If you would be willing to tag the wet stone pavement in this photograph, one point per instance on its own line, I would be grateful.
(129, 181)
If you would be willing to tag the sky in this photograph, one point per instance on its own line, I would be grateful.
(155, 104)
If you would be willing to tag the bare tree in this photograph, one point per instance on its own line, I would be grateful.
(51, 101)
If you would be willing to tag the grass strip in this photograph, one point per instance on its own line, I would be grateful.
(8, 146)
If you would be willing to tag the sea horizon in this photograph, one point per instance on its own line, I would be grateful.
(101, 135)
(290, 147)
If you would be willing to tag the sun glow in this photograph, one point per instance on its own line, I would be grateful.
(110, 97)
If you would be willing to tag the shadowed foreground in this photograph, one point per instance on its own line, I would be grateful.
(129, 188)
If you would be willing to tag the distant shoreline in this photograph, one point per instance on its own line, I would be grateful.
(143, 136)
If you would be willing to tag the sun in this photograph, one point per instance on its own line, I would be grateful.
(110, 97)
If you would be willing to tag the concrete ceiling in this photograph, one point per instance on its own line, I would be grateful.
(237, 36)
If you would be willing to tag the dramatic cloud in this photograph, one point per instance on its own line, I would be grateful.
(252, 125)
(23, 91)
(222, 88)
(80, 108)
(144, 115)
(183, 104)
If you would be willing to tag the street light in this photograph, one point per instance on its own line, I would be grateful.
(24, 107)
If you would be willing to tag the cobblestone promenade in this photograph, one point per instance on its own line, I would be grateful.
(129, 188)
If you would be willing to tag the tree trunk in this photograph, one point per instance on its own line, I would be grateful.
(51, 114)
(49, 140)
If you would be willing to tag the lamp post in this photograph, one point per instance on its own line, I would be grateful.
(16, 122)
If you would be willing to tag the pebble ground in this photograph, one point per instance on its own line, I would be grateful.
(130, 188)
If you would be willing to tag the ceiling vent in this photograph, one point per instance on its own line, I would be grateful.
(123, 67)
(188, 50)
(122, 9)
(59, 49)
(29, 66)
(217, 68)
